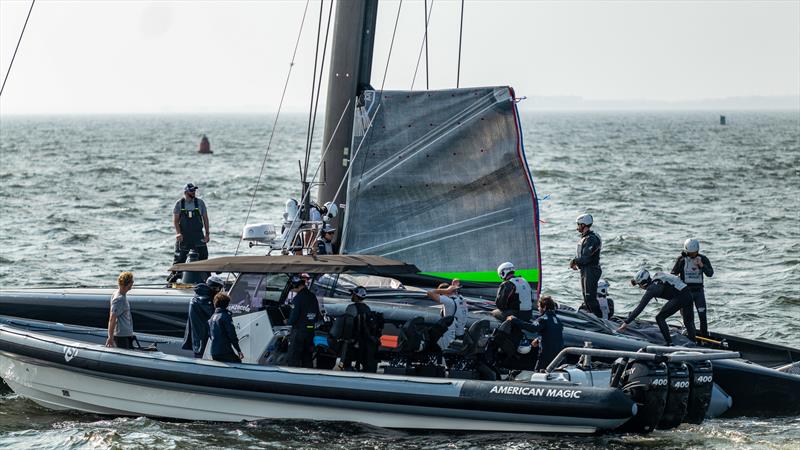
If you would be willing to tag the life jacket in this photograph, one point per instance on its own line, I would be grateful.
(673, 280)
(458, 309)
(191, 223)
(606, 306)
(523, 292)
(692, 274)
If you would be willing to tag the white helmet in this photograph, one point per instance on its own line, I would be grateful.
(215, 281)
(691, 245)
(290, 210)
(602, 288)
(641, 277)
(332, 211)
(504, 269)
(584, 219)
(524, 347)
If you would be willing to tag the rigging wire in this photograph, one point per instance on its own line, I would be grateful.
(275, 123)
(391, 46)
(427, 67)
(421, 47)
(311, 100)
(460, 35)
(8, 72)
(319, 88)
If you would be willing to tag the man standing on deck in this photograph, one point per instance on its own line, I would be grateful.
(304, 316)
(190, 219)
(587, 260)
(691, 266)
(120, 322)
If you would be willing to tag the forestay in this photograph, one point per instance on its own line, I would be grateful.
(441, 180)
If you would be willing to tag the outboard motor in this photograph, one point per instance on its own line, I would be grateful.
(677, 397)
(193, 277)
(701, 377)
(646, 383)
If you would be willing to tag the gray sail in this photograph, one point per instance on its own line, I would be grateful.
(441, 181)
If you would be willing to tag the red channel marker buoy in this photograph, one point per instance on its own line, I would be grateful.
(205, 146)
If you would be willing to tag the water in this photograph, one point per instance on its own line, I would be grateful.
(82, 198)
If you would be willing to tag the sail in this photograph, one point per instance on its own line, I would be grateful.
(441, 181)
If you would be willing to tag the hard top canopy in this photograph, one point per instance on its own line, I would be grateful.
(366, 264)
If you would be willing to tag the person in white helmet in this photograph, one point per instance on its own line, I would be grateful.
(514, 296)
(605, 302)
(670, 288)
(690, 266)
(587, 260)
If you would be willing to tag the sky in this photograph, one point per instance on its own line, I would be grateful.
(233, 56)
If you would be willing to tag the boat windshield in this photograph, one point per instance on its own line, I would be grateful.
(251, 291)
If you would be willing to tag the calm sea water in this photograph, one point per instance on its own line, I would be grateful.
(82, 198)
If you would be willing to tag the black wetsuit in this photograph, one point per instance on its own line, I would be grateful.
(364, 343)
(677, 300)
(201, 308)
(223, 337)
(695, 283)
(588, 261)
(304, 315)
(552, 336)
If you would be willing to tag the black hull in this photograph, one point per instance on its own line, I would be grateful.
(756, 387)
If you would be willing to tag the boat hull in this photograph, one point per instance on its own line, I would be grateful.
(64, 374)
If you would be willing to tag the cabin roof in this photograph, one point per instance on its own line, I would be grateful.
(366, 264)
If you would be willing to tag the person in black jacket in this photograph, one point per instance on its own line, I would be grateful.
(201, 308)
(324, 244)
(224, 340)
(304, 315)
(364, 342)
(587, 260)
(670, 288)
(550, 330)
(690, 267)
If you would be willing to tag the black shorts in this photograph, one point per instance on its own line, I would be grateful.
(123, 342)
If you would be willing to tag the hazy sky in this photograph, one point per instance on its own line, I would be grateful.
(227, 56)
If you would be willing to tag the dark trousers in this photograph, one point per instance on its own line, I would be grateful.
(226, 357)
(362, 353)
(123, 342)
(699, 299)
(682, 303)
(183, 248)
(301, 348)
(589, 278)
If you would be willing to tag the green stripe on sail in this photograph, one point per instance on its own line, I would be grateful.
(532, 275)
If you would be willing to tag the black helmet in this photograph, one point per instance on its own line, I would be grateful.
(359, 291)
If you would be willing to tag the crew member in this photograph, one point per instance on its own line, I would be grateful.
(224, 341)
(603, 300)
(587, 261)
(360, 354)
(325, 242)
(453, 305)
(201, 308)
(190, 219)
(691, 266)
(550, 330)
(514, 296)
(305, 313)
(670, 288)
(120, 322)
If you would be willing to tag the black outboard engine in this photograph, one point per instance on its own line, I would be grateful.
(677, 397)
(468, 362)
(646, 383)
(701, 377)
(193, 277)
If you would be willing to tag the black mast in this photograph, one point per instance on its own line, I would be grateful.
(350, 69)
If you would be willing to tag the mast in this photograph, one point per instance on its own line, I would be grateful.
(350, 69)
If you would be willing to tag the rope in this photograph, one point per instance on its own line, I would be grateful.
(460, 35)
(319, 86)
(424, 40)
(427, 74)
(8, 72)
(311, 105)
(274, 124)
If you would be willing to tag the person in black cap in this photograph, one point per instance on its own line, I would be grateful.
(201, 308)
(304, 315)
(325, 242)
(364, 334)
(190, 219)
